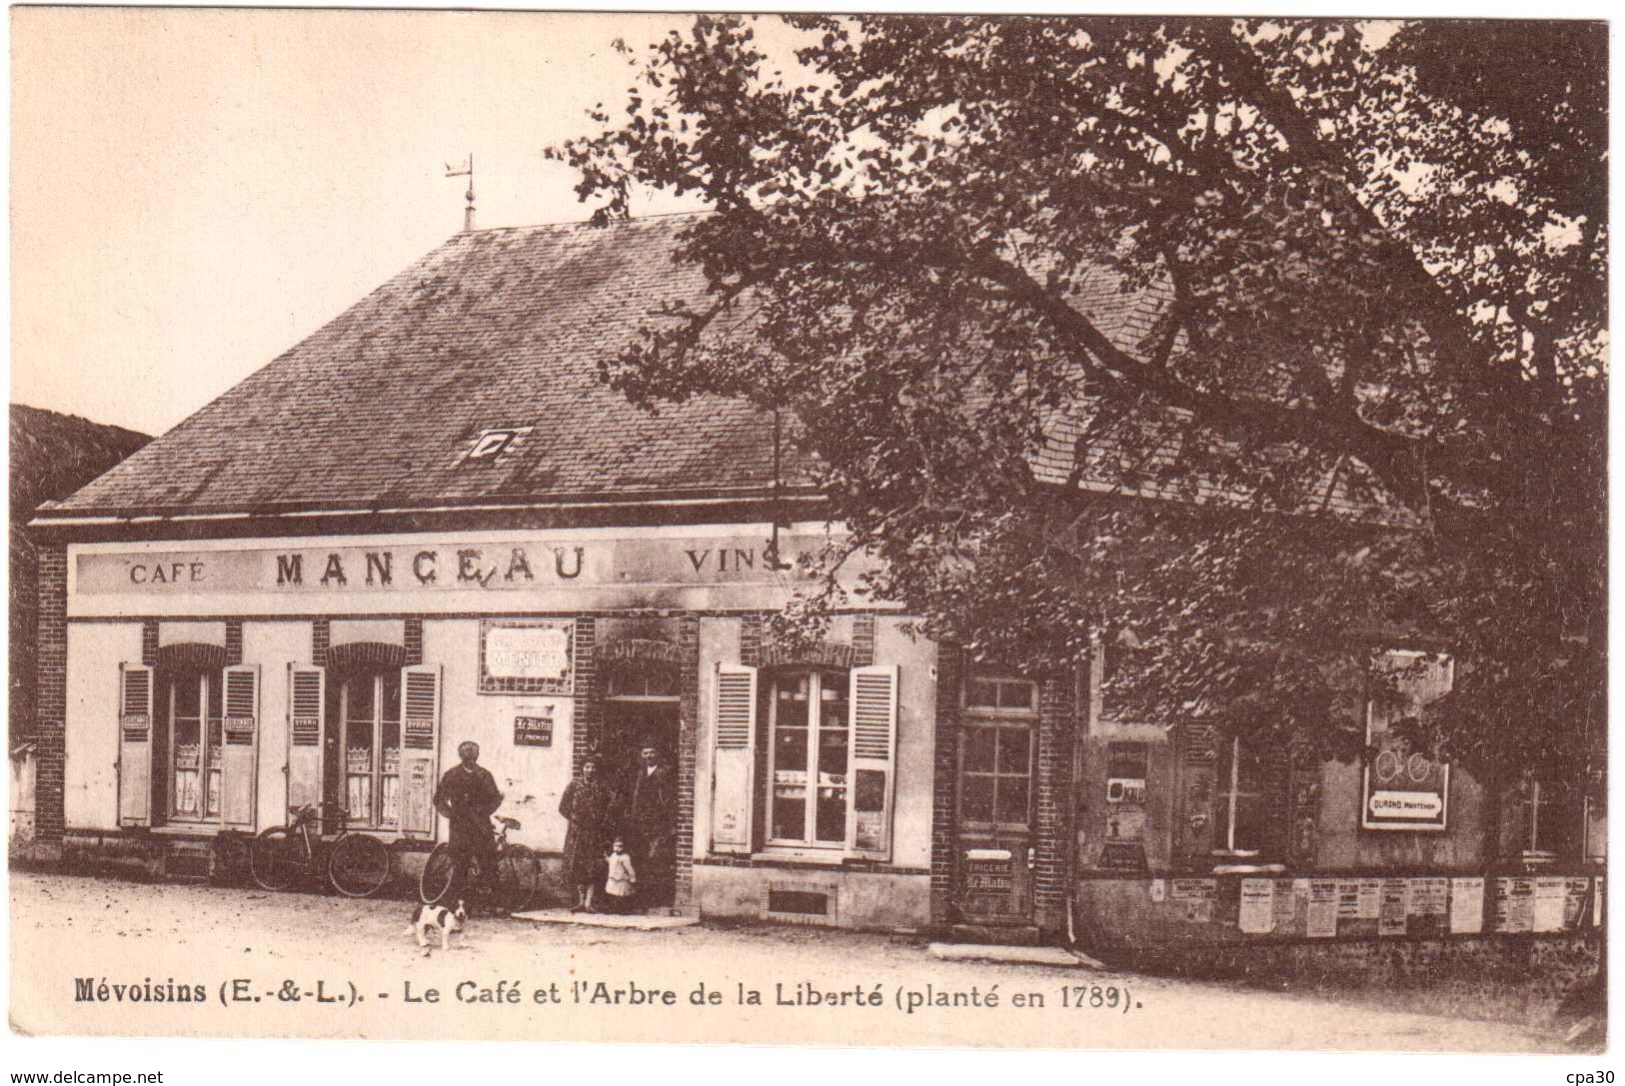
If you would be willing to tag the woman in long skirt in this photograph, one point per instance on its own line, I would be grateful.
(587, 805)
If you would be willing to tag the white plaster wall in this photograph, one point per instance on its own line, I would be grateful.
(202, 633)
(273, 646)
(916, 661)
(531, 778)
(384, 631)
(90, 776)
(719, 644)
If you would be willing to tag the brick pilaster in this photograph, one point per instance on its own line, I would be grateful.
(1052, 800)
(863, 640)
(584, 731)
(688, 641)
(51, 697)
(750, 640)
(943, 836)
(234, 642)
(149, 642)
(412, 641)
(321, 638)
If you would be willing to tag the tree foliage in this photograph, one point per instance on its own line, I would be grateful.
(1253, 347)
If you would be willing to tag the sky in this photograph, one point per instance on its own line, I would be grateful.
(195, 191)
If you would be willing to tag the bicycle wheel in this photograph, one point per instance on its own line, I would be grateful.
(358, 865)
(436, 878)
(276, 859)
(518, 876)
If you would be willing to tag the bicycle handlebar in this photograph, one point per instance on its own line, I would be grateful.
(302, 811)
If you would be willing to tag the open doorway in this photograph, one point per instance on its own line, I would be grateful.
(641, 712)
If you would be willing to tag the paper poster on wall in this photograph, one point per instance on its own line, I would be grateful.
(1405, 788)
(1550, 892)
(1574, 900)
(1322, 919)
(1195, 898)
(1395, 906)
(1159, 890)
(1370, 899)
(1283, 913)
(1257, 916)
(1348, 899)
(1467, 905)
(1514, 905)
(1430, 897)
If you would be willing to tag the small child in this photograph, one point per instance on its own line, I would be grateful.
(620, 880)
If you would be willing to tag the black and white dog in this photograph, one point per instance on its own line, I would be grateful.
(427, 919)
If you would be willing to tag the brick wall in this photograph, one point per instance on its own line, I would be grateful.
(949, 663)
(688, 722)
(51, 697)
(1052, 800)
(234, 641)
(321, 636)
(584, 730)
(412, 638)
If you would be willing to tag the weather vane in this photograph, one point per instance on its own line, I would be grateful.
(465, 170)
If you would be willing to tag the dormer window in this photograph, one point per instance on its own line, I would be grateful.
(493, 442)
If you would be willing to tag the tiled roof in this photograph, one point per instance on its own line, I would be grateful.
(494, 328)
(506, 328)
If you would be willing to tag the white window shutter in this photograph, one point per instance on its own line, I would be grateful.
(873, 762)
(733, 759)
(307, 706)
(420, 748)
(135, 683)
(239, 756)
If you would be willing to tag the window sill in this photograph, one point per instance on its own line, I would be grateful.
(819, 857)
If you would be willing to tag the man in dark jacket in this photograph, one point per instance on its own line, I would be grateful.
(651, 825)
(467, 797)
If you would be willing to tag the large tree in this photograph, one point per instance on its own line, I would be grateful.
(1254, 347)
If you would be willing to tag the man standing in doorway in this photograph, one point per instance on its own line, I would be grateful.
(651, 826)
(467, 797)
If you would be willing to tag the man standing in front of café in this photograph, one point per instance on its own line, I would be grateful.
(467, 798)
(651, 826)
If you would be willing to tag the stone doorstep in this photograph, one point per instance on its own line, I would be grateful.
(1011, 955)
(633, 922)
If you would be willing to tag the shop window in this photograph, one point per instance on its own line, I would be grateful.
(195, 713)
(1240, 815)
(809, 723)
(370, 723)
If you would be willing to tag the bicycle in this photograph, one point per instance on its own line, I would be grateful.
(518, 872)
(357, 865)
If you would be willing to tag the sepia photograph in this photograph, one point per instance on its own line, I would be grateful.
(972, 531)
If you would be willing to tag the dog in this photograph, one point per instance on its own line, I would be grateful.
(427, 919)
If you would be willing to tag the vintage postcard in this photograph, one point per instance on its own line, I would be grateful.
(1069, 532)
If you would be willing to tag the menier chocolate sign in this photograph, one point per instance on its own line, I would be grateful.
(450, 565)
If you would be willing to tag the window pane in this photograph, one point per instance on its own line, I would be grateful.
(979, 749)
(976, 799)
(1013, 750)
(832, 755)
(831, 826)
(358, 698)
(790, 756)
(1013, 800)
(392, 695)
(1016, 694)
(982, 694)
(186, 696)
(789, 812)
(1250, 816)
(212, 680)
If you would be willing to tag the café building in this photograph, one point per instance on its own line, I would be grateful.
(430, 522)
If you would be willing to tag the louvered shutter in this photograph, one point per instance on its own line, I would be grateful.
(307, 703)
(733, 760)
(420, 746)
(135, 745)
(873, 762)
(239, 755)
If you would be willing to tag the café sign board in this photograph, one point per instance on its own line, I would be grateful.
(451, 565)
